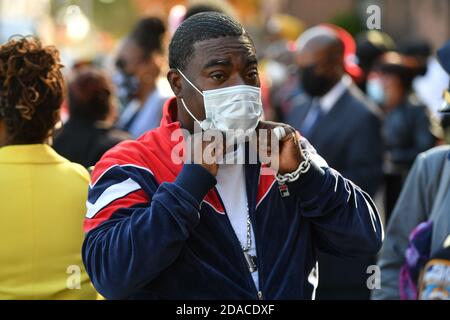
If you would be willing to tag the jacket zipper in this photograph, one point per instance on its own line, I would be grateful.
(259, 294)
(257, 243)
(258, 255)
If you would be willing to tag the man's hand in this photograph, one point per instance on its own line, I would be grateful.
(290, 154)
(205, 150)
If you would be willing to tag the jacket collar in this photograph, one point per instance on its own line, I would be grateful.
(29, 154)
(329, 100)
(169, 114)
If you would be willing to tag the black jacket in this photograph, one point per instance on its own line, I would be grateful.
(407, 133)
(348, 137)
(85, 142)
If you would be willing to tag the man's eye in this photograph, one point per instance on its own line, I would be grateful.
(218, 76)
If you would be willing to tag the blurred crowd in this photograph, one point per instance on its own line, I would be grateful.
(368, 104)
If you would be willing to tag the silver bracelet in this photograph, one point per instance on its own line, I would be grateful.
(304, 167)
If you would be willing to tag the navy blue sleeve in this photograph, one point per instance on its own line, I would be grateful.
(346, 220)
(133, 246)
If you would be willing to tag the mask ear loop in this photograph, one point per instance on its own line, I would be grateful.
(190, 113)
(182, 100)
(185, 78)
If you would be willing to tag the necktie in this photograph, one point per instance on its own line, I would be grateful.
(312, 118)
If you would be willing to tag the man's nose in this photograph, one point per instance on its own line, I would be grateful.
(237, 80)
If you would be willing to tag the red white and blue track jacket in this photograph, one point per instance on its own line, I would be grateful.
(158, 230)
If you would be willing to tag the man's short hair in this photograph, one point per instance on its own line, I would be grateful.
(200, 27)
(201, 7)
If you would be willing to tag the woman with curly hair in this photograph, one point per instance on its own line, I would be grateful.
(42, 194)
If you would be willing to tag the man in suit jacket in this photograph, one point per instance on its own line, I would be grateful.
(344, 127)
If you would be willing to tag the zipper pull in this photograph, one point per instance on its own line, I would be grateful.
(260, 295)
(250, 261)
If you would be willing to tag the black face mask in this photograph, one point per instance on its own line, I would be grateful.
(127, 87)
(313, 84)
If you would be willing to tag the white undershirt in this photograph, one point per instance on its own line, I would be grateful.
(232, 191)
(328, 100)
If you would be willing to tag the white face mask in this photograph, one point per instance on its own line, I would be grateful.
(234, 110)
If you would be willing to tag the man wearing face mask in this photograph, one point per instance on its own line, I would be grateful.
(161, 229)
(344, 127)
(333, 114)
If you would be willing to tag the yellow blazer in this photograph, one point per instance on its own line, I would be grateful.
(42, 205)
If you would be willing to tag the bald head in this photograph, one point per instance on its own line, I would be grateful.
(320, 58)
(319, 35)
(320, 41)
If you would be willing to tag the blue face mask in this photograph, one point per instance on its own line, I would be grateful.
(375, 90)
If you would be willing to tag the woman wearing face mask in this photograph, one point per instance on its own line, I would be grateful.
(406, 127)
(139, 63)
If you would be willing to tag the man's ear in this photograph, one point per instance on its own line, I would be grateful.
(174, 79)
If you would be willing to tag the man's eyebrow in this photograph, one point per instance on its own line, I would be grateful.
(217, 62)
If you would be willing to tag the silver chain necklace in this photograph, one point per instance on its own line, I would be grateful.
(251, 260)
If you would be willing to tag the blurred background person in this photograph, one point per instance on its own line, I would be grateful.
(445, 124)
(344, 126)
(407, 123)
(64, 113)
(139, 62)
(420, 50)
(42, 196)
(420, 222)
(370, 45)
(329, 101)
(431, 78)
(277, 67)
(89, 132)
